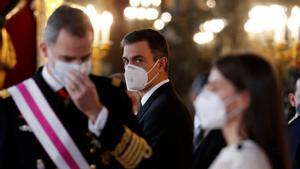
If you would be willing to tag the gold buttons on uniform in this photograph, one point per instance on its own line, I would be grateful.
(40, 164)
(93, 166)
(89, 134)
(92, 150)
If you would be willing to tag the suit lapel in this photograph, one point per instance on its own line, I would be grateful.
(155, 94)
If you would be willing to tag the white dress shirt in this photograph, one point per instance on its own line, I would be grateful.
(98, 126)
(197, 126)
(151, 91)
(246, 155)
(295, 117)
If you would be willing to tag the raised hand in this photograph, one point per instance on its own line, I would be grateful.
(83, 93)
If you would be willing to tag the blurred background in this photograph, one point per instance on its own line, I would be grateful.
(198, 32)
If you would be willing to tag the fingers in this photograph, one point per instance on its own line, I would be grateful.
(83, 93)
(77, 81)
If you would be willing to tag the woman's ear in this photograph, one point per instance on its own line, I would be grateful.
(244, 101)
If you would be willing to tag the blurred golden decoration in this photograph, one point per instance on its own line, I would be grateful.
(15, 9)
(99, 53)
(147, 10)
(101, 23)
(42, 10)
(275, 34)
(8, 58)
(8, 54)
(208, 30)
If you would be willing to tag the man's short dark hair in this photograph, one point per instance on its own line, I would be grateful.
(73, 20)
(155, 40)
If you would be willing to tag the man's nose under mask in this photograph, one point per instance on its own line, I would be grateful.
(61, 69)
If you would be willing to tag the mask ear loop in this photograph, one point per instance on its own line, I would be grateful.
(153, 66)
(237, 111)
(154, 76)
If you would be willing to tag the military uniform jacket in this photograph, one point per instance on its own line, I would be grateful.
(19, 148)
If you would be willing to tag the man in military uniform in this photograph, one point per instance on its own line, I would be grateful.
(94, 111)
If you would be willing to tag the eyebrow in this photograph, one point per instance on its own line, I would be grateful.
(84, 57)
(133, 57)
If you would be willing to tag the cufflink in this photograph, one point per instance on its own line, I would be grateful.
(93, 151)
(25, 128)
(40, 164)
(93, 166)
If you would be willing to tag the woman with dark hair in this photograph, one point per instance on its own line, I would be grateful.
(242, 97)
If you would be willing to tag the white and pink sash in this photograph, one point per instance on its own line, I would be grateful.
(46, 126)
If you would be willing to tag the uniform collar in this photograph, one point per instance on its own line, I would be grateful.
(54, 85)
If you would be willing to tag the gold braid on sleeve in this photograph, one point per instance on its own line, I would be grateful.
(131, 150)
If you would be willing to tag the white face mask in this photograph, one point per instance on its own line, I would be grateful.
(137, 78)
(210, 110)
(61, 69)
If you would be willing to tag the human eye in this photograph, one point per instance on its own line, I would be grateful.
(138, 60)
(67, 59)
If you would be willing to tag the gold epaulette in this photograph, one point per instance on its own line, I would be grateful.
(116, 82)
(4, 94)
(131, 150)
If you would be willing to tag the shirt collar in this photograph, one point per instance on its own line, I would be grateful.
(294, 118)
(196, 122)
(54, 85)
(151, 91)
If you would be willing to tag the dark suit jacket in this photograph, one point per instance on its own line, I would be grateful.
(208, 149)
(294, 142)
(21, 150)
(167, 126)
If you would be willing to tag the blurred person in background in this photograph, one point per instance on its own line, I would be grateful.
(242, 97)
(294, 99)
(294, 124)
(207, 143)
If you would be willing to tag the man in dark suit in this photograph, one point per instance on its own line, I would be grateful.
(294, 125)
(294, 142)
(165, 120)
(94, 111)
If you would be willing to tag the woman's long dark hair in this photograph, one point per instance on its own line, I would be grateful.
(263, 121)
